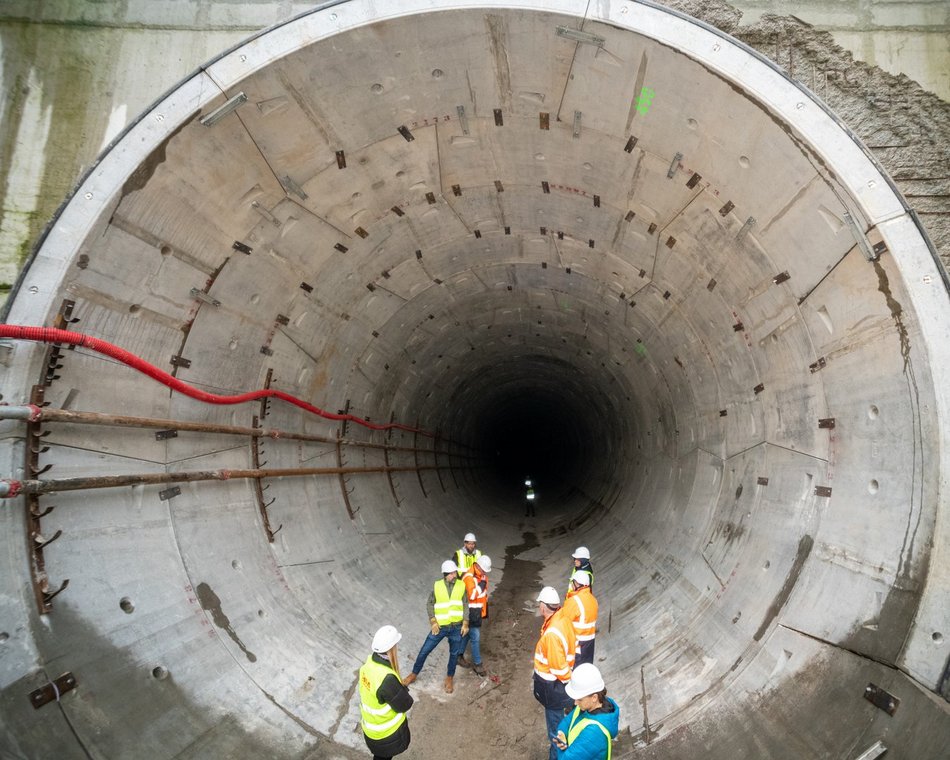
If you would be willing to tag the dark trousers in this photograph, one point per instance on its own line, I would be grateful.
(585, 653)
(556, 703)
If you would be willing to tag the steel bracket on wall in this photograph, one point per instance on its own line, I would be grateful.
(36, 542)
(881, 699)
(52, 690)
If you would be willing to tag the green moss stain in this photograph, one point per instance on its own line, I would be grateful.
(69, 64)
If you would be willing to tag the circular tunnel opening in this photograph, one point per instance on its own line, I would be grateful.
(536, 418)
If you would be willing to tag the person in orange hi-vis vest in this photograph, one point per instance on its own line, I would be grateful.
(553, 663)
(476, 589)
(581, 607)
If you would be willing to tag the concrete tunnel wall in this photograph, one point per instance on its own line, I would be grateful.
(695, 317)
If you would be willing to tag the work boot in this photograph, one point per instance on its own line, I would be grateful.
(479, 669)
(411, 678)
(462, 662)
(449, 687)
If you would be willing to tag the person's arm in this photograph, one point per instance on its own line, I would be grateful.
(557, 657)
(430, 605)
(392, 692)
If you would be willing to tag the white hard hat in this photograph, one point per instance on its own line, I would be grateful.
(549, 596)
(449, 567)
(581, 552)
(386, 638)
(581, 578)
(484, 562)
(585, 680)
(469, 537)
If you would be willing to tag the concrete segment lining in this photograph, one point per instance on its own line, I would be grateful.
(736, 585)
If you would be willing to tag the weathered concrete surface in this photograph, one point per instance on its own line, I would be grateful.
(59, 111)
(909, 37)
(739, 413)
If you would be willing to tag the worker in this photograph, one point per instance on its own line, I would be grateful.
(581, 607)
(466, 556)
(586, 733)
(384, 701)
(446, 608)
(553, 662)
(581, 557)
(476, 590)
(529, 498)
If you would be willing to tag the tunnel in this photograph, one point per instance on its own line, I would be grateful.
(601, 246)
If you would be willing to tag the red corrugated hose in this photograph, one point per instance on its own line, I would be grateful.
(53, 335)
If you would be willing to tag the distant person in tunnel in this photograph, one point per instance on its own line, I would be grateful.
(446, 608)
(587, 732)
(581, 607)
(476, 589)
(553, 663)
(529, 499)
(384, 701)
(468, 554)
(581, 557)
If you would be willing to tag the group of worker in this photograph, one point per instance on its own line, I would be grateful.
(564, 674)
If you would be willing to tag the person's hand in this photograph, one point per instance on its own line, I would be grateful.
(464, 627)
(435, 626)
(560, 741)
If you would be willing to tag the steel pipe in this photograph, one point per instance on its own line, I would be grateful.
(9, 488)
(34, 413)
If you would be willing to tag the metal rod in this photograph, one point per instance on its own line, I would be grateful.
(15, 487)
(50, 414)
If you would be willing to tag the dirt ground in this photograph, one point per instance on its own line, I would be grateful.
(495, 716)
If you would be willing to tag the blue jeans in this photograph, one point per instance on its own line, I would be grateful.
(454, 634)
(475, 635)
(552, 717)
(556, 703)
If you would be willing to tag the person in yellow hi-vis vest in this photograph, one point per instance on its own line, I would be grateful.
(384, 701)
(446, 609)
(587, 732)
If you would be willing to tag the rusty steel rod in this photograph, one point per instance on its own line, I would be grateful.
(50, 414)
(10, 488)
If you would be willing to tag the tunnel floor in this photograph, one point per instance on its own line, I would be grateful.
(495, 716)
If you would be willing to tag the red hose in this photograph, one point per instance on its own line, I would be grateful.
(52, 335)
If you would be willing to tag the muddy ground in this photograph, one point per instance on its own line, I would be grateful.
(496, 716)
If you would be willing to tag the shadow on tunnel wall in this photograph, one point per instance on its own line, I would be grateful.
(149, 717)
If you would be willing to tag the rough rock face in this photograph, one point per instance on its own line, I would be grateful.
(906, 128)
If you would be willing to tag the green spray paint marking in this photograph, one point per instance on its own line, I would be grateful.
(643, 102)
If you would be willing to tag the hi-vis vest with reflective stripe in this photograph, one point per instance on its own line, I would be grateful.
(379, 719)
(477, 598)
(465, 561)
(448, 609)
(579, 725)
(581, 605)
(554, 654)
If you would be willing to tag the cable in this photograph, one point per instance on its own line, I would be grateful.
(53, 335)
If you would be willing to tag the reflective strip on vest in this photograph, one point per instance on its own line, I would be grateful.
(447, 609)
(575, 730)
(379, 720)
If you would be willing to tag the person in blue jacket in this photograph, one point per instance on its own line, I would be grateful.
(587, 732)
